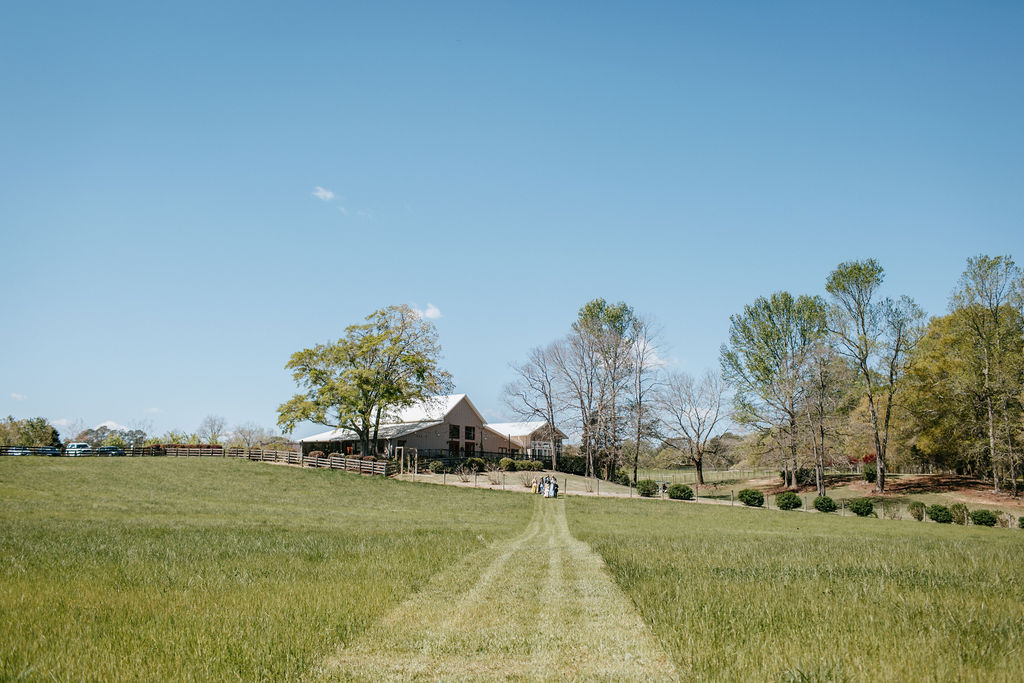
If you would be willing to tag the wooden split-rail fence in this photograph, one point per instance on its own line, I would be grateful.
(333, 461)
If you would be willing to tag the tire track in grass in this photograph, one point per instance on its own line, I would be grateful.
(541, 607)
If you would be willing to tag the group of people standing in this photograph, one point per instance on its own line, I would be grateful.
(547, 486)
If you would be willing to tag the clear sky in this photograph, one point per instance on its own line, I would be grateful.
(190, 192)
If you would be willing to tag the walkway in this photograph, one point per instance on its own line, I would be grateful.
(541, 607)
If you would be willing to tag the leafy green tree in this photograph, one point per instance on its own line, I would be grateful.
(378, 367)
(766, 360)
(878, 335)
(983, 301)
(32, 432)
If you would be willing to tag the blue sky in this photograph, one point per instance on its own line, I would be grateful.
(165, 250)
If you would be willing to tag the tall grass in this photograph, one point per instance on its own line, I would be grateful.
(203, 569)
(765, 595)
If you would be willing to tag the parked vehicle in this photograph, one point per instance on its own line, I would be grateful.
(48, 450)
(109, 450)
(18, 450)
(78, 448)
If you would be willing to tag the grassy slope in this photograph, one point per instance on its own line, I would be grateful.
(747, 594)
(210, 569)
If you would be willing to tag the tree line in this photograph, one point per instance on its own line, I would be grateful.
(815, 380)
(37, 431)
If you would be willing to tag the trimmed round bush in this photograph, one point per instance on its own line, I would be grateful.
(916, 510)
(475, 464)
(436, 466)
(648, 488)
(984, 518)
(824, 504)
(751, 498)
(623, 479)
(507, 464)
(862, 507)
(680, 492)
(529, 465)
(939, 513)
(787, 500)
(1020, 521)
(870, 472)
(959, 512)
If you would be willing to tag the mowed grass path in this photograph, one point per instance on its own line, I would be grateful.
(539, 608)
(742, 594)
(205, 569)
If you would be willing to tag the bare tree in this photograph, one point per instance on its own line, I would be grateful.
(252, 434)
(212, 428)
(575, 360)
(645, 365)
(691, 414)
(534, 394)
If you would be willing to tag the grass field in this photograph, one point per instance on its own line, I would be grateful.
(211, 569)
(739, 594)
(205, 569)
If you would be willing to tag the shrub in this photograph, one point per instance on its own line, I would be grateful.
(939, 513)
(916, 510)
(680, 492)
(647, 488)
(870, 472)
(804, 477)
(1020, 521)
(572, 464)
(862, 507)
(436, 466)
(984, 517)
(622, 478)
(787, 500)
(751, 497)
(959, 512)
(475, 464)
(824, 504)
(507, 464)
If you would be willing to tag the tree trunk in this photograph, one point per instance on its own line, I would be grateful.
(698, 465)
(879, 452)
(992, 443)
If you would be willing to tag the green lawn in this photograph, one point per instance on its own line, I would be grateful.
(742, 594)
(213, 569)
(208, 569)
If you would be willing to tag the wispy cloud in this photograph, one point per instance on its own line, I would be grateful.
(343, 210)
(153, 410)
(323, 193)
(432, 312)
(19, 397)
(110, 424)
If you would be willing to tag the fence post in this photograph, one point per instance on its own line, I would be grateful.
(732, 496)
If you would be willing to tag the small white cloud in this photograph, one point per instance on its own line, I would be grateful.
(323, 193)
(19, 397)
(432, 312)
(110, 424)
(62, 422)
